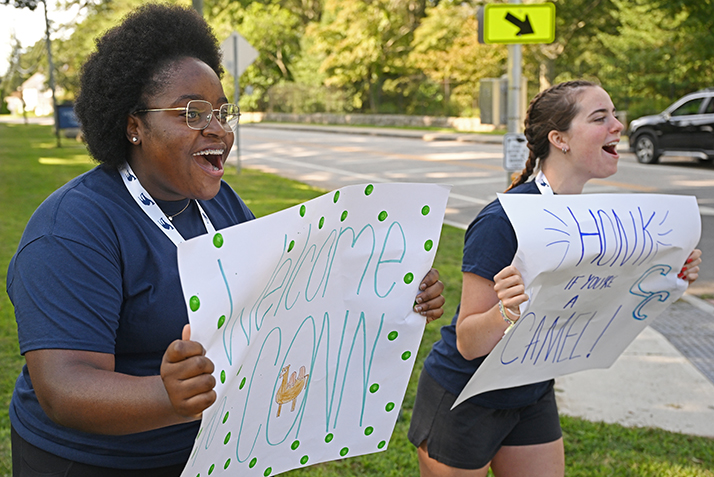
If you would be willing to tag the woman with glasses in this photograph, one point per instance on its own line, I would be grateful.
(110, 388)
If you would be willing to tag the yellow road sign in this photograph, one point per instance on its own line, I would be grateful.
(518, 23)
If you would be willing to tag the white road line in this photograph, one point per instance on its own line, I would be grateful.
(466, 198)
(333, 170)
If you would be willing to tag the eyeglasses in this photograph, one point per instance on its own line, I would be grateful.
(199, 114)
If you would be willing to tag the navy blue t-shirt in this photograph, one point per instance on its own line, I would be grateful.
(94, 273)
(489, 247)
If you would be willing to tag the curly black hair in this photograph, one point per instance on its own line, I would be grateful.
(127, 67)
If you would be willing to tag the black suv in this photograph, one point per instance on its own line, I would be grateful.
(686, 128)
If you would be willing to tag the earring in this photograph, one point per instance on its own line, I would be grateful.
(564, 149)
(134, 139)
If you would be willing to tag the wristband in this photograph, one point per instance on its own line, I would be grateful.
(506, 318)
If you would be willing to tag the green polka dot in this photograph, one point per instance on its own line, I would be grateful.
(374, 388)
(344, 451)
(295, 445)
(228, 438)
(225, 466)
(425, 210)
(223, 376)
(292, 244)
(322, 223)
(302, 210)
(268, 471)
(389, 406)
(329, 437)
(406, 355)
(221, 320)
(304, 459)
(428, 245)
(368, 431)
(392, 336)
(408, 278)
(344, 216)
(253, 461)
(242, 383)
(381, 444)
(218, 240)
(336, 197)
(369, 189)
(225, 418)
(194, 303)
(210, 470)
(382, 216)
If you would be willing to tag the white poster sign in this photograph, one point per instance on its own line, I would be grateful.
(307, 315)
(598, 268)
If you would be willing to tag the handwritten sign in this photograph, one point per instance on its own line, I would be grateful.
(307, 316)
(598, 268)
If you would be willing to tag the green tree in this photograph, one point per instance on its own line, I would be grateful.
(95, 18)
(31, 4)
(577, 25)
(691, 25)
(274, 31)
(446, 50)
(657, 54)
(365, 45)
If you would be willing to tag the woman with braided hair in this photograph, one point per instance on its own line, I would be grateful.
(572, 135)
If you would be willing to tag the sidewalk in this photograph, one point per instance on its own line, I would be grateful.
(654, 383)
(664, 379)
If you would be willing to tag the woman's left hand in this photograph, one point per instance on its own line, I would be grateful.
(430, 301)
(690, 270)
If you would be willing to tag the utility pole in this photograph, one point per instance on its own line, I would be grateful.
(515, 60)
(51, 67)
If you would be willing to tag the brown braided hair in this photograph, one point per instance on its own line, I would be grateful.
(551, 109)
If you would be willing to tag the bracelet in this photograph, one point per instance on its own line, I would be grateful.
(506, 318)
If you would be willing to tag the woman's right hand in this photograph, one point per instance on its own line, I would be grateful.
(508, 285)
(187, 376)
(480, 326)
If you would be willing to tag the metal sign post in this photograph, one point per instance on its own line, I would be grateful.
(513, 23)
(238, 55)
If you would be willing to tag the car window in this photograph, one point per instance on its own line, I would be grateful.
(690, 107)
(710, 106)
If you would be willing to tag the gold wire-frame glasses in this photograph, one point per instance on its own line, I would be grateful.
(199, 114)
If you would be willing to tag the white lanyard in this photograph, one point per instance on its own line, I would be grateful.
(148, 205)
(543, 184)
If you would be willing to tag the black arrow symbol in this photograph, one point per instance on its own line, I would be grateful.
(524, 25)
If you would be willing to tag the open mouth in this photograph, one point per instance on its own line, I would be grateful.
(213, 157)
(611, 148)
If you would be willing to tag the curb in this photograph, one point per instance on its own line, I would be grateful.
(697, 302)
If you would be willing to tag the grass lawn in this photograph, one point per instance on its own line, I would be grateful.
(31, 167)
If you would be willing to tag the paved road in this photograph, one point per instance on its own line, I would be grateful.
(332, 157)
(472, 164)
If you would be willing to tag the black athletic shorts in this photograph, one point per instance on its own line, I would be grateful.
(31, 461)
(469, 436)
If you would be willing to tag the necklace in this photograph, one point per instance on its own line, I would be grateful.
(171, 217)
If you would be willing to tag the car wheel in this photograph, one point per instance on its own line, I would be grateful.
(645, 149)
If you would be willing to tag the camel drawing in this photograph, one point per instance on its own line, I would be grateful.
(289, 390)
